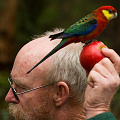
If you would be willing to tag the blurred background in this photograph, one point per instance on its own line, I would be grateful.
(20, 20)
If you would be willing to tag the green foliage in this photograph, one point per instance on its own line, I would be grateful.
(115, 106)
(2, 5)
(4, 86)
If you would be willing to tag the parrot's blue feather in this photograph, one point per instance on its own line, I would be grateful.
(76, 34)
(78, 29)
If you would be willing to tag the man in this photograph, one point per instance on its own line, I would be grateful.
(63, 82)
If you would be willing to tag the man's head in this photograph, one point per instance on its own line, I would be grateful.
(63, 69)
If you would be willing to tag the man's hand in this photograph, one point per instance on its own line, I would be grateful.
(103, 82)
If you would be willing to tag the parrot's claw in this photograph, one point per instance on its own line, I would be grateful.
(89, 42)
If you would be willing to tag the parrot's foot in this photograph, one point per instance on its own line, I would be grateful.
(89, 42)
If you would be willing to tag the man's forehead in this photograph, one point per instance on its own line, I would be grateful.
(38, 45)
(31, 53)
(35, 50)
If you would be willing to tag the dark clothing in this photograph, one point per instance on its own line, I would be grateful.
(104, 116)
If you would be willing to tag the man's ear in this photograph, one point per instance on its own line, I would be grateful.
(61, 94)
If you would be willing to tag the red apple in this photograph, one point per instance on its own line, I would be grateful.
(91, 54)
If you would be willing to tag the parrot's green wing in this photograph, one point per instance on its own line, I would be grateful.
(83, 27)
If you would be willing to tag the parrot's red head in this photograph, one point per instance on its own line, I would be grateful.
(107, 12)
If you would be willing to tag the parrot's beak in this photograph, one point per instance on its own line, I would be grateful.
(115, 14)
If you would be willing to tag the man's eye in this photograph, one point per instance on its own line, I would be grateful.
(20, 89)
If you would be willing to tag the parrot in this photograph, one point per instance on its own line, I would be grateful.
(83, 30)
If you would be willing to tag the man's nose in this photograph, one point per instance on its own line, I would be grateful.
(10, 98)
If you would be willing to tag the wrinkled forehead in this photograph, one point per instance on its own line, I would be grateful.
(32, 53)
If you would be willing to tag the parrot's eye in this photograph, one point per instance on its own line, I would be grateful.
(110, 11)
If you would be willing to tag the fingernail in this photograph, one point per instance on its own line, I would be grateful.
(104, 49)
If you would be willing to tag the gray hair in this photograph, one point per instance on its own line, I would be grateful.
(66, 67)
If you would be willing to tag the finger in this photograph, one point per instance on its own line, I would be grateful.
(111, 77)
(113, 56)
(107, 70)
(108, 65)
(102, 69)
(94, 78)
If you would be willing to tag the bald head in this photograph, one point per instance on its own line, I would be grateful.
(33, 52)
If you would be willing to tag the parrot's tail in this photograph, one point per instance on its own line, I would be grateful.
(56, 35)
(62, 44)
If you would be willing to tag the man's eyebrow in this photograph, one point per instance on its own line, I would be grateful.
(17, 82)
